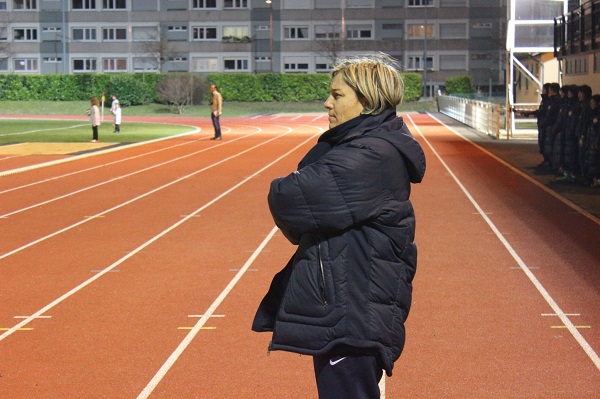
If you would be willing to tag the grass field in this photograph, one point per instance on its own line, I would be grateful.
(231, 109)
(54, 131)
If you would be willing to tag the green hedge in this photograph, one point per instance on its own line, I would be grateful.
(132, 89)
(140, 88)
(271, 87)
(413, 86)
(459, 85)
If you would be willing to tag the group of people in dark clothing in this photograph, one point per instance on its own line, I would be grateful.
(568, 121)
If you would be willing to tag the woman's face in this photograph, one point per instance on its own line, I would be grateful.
(343, 103)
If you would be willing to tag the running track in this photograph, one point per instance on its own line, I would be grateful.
(136, 273)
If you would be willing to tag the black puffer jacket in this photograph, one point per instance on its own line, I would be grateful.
(347, 289)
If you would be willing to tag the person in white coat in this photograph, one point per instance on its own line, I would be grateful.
(116, 111)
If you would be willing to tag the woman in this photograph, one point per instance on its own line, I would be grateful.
(94, 114)
(345, 294)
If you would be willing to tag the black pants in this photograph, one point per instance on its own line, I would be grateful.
(94, 132)
(216, 124)
(351, 377)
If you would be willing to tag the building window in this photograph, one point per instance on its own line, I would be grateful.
(358, 32)
(296, 67)
(3, 8)
(204, 33)
(235, 4)
(235, 65)
(301, 4)
(84, 5)
(596, 62)
(324, 32)
(84, 64)
(145, 64)
(145, 34)
(84, 34)
(236, 33)
(114, 4)
(4, 64)
(114, 64)
(52, 29)
(453, 31)
(178, 59)
(3, 34)
(359, 3)
(205, 64)
(114, 34)
(178, 28)
(419, 31)
(199, 4)
(577, 66)
(419, 3)
(52, 60)
(25, 65)
(416, 63)
(453, 62)
(25, 34)
(25, 5)
(296, 32)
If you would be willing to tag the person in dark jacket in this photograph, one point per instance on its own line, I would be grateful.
(558, 130)
(345, 294)
(540, 114)
(592, 154)
(546, 124)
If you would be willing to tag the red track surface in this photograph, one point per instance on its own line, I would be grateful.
(108, 262)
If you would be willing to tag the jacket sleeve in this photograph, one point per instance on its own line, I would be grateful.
(341, 190)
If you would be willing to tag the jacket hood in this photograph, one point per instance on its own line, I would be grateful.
(391, 128)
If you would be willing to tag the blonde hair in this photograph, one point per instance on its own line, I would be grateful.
(375, 79)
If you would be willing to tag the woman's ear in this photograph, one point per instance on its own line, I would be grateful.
(363, 101)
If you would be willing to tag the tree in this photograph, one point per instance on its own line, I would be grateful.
(179, 90)
(333, 42)
(159, 48)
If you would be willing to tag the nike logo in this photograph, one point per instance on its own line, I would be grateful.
(334, 362)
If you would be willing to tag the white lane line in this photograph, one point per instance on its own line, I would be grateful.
(108, 269)
(148, 193)
(562, 199)
(164, 369)
(213, 307)
(114, 179)
(96, 167)
(43, 130)
(91, 154)
(543, 292)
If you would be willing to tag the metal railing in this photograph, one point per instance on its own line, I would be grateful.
(484, 116)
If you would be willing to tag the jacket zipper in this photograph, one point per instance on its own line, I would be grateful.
(323, 296)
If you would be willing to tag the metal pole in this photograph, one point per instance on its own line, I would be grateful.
(270, 3)
(425, 51)
(65, 37)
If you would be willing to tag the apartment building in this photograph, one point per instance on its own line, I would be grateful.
(438, 38)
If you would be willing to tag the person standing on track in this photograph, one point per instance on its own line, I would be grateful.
(94, 114)
(216, 108)
(345, 294)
